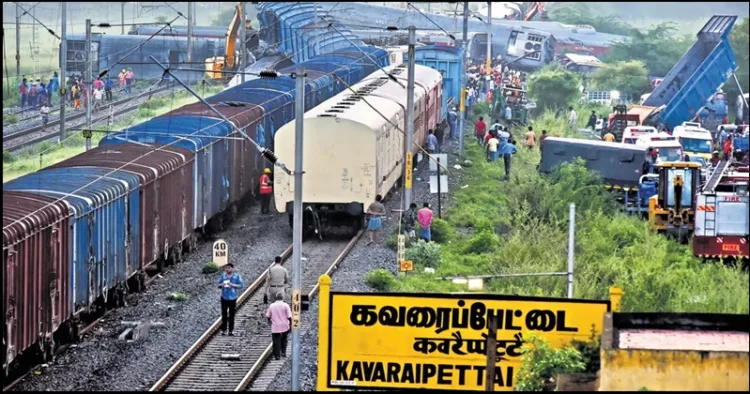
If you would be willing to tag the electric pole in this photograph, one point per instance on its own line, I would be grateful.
(489, 39)
(122, 17)
(190, 35)
(89, 84)
(299, 116)
(462, 115)
(409, 118)
(18, 41)
(243, 58)
(63, 68)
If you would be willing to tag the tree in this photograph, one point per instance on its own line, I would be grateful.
(739, 40)
(554, 87)
(658, 48)
(588, 14)
(626, 77)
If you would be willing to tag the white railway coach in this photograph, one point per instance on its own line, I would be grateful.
(351, 152)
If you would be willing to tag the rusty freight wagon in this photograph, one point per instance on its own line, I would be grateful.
(37, 289)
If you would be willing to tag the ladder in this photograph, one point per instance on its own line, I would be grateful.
(709, 221)
(715, 177)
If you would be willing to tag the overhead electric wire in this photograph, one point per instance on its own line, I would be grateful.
(37, 20)
(175, 10)
(433, 22)
(160, 148)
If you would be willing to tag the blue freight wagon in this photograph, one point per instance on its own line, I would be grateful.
(697, 76)
(105, 208)
(449, 61)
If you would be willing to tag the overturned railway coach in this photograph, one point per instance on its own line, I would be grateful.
(353, 152)
(107, 50)
(77, 235)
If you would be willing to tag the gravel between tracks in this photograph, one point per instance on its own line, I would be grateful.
(102, 362)
(350, 274)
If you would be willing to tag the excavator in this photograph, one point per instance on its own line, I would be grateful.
(531, 9)
(215, 66)
(672, 209)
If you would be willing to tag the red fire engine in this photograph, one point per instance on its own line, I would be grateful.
(721, 215)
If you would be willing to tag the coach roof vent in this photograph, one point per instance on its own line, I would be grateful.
(327, 116)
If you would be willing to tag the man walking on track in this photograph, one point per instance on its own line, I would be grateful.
(229, 283)
(276, 280)
(280, 316)
(266, 190)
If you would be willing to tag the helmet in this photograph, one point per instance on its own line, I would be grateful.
(124, 70)
(716, 152)
(267, 171)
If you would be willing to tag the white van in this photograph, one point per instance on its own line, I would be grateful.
(632, 133)
(695, 140)
(667, 146)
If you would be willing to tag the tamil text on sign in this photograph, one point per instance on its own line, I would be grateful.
(438, 341)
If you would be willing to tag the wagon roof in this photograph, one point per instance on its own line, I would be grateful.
(17, 205)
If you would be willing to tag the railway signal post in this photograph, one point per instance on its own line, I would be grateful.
(299, 115)
(409, 117)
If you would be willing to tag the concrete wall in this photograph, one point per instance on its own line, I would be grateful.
(674, 352)
(670, 370)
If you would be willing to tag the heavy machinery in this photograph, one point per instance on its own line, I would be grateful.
(619, 120)
(721, 219)
(515, 98)
(672, 209)
(215, 66)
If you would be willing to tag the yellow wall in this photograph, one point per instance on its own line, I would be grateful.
(669, 370)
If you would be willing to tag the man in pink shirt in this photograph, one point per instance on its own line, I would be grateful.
(424, 217)
(280, 316)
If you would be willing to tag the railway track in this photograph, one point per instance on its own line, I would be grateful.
(201, 368)
(20, 139)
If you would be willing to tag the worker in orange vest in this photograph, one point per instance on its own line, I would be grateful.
(266, 190)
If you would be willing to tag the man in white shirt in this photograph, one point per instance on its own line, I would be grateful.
(572, 118)
(98, 97)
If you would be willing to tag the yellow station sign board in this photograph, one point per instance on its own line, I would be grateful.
(438, 341)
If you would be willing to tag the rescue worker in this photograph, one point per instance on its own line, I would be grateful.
(452, 118)
(266, 190)
(609, 137)
(715, 159)
(229, 283)
(129, 80)
(276, 280)
(121, 79)
(279, 314)
(728, 148)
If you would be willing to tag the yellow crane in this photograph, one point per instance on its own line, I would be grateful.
(215, 66)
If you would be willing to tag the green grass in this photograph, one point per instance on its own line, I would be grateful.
(27, 160)
(521, 226)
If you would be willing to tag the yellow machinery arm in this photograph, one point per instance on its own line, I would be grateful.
(234, 26)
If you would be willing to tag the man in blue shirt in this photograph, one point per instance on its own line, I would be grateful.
(108, 88)
(432, 143)
(229, 283)
(507, 149)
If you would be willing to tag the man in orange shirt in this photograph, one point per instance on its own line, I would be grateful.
(530, 138)
(266, 190)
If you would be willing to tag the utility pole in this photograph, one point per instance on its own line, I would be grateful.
(243, 58)
(571, 247)
(122, 17)
(89, 84)
(18, 41)
(409, 118)
(297, 228)
(489, 38)
(63, 68)
(462, 115)
(190, 35)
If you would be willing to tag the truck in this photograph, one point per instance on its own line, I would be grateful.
(721, 220)
(699, 74)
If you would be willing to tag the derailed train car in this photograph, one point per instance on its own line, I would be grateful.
(353, 152)
(109, 49)
(141, 198)
(617, 164)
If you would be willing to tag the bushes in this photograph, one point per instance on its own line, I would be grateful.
(441, 231)
(426, 254)
(541, 363)
(380, 279)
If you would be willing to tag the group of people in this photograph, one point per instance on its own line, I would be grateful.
(497, 141)
(278, 313)
(36, 93)
(101, 91)
(410, 218)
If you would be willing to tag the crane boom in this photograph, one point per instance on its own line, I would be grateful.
(234, 26)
